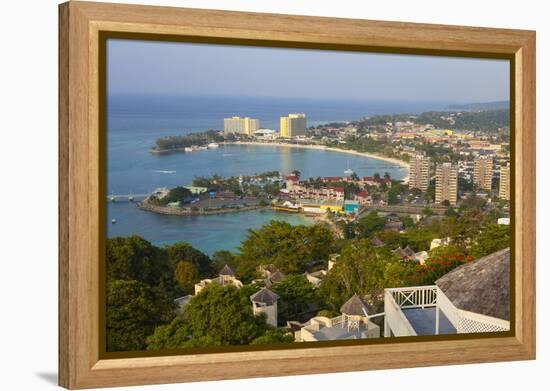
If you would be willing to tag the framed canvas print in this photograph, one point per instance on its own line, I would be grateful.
(246, 195)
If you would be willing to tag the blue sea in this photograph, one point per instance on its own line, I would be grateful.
(135, 122)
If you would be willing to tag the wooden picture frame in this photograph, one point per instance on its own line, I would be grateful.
(81, 364)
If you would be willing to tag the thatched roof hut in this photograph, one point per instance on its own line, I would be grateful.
(227, 271)
(376, 242)
(354, 307)
(482, 286)
(264, 296)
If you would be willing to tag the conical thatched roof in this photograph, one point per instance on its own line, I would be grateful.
(354, 306)
(409, 251)
(227, 271)
(376, 242)
(277, 276)
(265, 296)
(482, 286)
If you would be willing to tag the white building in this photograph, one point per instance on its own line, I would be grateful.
(354, 323)
(265, 301)
(473, 298)
(226, 277)
(266, 134)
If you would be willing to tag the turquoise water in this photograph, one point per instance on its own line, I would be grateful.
(134, 125)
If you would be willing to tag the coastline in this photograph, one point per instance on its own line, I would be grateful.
(398, 162)
(169, 210)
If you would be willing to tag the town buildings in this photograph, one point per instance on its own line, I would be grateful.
(446, 177)
(240, 125)
(483, 172)
(419, 172)
(504, 185)
(293, 125)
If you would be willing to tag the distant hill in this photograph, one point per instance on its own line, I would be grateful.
(482, 106)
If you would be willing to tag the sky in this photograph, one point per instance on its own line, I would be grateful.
(162, 68)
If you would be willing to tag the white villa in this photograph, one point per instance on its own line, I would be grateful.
(473, 298)
(354, 323)
(265, 301)
(225, 277)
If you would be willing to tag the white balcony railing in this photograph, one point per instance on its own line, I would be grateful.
(398, 299)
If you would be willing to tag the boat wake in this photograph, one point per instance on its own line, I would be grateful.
(164, 171)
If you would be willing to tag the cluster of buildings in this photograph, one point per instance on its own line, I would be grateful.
(473, 298)
(328, 194)
(446, 177)
(291, 126)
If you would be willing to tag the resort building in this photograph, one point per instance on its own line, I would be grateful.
(225, 277)
(351, 207)
(473, 298)
(483, 172)
(265, 134)
(419, 172)
(504, 185)
(437, 242)
(265, 301)
(240, 125)
(354, 323)
(446, 177)
(363, 198)
(292, 183)
(293, 125)
(322, 206)
(332, 260)
(315, 278)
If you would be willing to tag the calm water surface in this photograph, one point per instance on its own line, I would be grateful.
(134, 123)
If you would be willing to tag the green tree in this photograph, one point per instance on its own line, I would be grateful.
(218, 315)
(221, 258)
(134, 258)
(295, 294)
(494, 237)
(360, 269)
(441, 261)
(288, 247)
(273, 336)
(370, 224)
(426, 212)
(133, 311)
(186, 275)
(183, 251)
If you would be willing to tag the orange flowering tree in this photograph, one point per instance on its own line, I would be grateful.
(441, 261)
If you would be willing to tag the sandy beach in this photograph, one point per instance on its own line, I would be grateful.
(398, 162)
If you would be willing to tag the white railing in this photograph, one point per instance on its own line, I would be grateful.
(397, 299)
(471, 322)
(415, 297)
(395, 320)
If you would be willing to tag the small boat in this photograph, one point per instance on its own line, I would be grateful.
(113, 221)
(213, 145)
(348, 171)
(131, 198)
(188, 149)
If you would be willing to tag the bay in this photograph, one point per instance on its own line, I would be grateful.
(134, 123)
